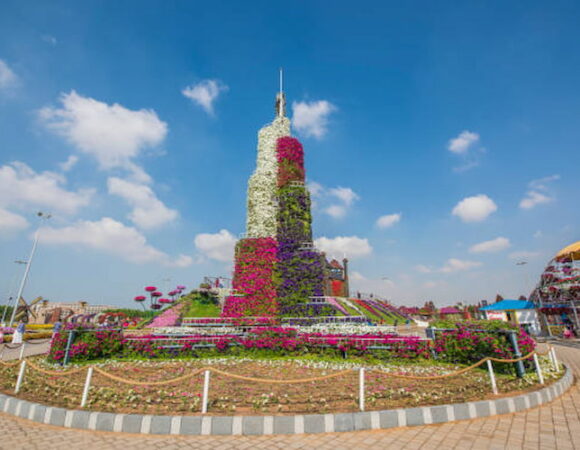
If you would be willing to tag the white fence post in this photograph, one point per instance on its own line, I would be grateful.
(492, 376)
(2, 352)
(361, 388)
(20, 377)
(22, 348)
(87, 387)
(555, 358)
(205, 392)
(538, 369)
(551, 358)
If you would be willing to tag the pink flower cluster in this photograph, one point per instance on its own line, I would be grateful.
(168, 318)
(254, 271)
(290, 156)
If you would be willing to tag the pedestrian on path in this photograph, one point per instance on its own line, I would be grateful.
(19, 333)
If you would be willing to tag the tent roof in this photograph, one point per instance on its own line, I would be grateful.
(572, 250)
(506, 305)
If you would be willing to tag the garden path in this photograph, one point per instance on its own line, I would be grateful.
(555, 425)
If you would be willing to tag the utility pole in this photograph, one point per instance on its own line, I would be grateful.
(42, 216)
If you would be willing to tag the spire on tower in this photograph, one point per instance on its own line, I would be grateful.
(281, 98)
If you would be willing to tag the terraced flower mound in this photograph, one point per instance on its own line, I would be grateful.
(228, 395)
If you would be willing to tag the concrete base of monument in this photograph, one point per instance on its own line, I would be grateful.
(261, 425)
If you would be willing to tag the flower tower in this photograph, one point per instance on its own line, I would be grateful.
(276, 265)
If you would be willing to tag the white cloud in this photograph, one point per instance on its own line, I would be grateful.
(311, 118)
(112, 134)
(458, 265)
(316, 189)
(205, 93)
(71, 161)
(357, 276)
(336, 211)
(346, 195)
(10, 222)
(523, 254)
(474, 209)
(462, 143)
(8, 78)
(219, 246)
(323, 196)
(352, 246)
(148, 211)
(534, 198)
(538, 193)
(21, 186)
(423, 268)
(112, 237)
(542, 183)
(49, 39)
(538, 234)
(388, 220)
(491, 246)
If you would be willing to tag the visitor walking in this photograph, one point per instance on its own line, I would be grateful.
(18, 335)
(57, 327)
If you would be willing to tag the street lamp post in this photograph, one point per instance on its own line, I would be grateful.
(42, 216)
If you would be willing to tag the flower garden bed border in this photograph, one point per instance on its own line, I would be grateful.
(298, 424)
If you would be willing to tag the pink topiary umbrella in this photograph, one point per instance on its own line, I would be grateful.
(150, 288)
(140, 298)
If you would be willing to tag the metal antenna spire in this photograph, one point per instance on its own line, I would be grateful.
(281, 79)
(281, 98)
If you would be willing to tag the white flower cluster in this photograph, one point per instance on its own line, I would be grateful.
(262, 207)
(347, 328)
(203, 331)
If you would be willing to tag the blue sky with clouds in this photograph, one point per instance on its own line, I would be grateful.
(441, 139)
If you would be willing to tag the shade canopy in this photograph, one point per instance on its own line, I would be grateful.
(508, 305)
(572, 251)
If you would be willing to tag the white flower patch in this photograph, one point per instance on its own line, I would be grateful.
(262, 207)
(347, 328)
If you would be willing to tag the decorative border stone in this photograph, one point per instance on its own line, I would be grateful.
(260, 425)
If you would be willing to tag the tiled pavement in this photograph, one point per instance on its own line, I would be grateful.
(555, 425)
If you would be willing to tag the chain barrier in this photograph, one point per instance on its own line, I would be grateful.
(54, 372)
(149, 383)
(9, 364)
(270, 381)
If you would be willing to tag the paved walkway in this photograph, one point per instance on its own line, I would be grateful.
(31, 348)
(552, 426)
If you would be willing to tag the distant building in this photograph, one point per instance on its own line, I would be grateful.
(518, 312)
(51, 312)
(336, 278)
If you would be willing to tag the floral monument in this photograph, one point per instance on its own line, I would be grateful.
(277, 268)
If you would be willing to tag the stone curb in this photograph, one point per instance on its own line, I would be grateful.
(260, 425)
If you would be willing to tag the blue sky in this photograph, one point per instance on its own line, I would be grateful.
(441, 139)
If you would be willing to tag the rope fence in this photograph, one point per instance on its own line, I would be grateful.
(24, 364)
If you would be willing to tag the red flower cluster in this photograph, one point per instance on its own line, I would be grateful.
(337, 288)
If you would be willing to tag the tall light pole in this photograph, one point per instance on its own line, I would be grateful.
(43, 216)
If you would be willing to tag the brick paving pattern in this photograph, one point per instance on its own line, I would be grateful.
(555, 425)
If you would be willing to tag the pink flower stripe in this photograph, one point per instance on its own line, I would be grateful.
(338, 306)
(168, 318)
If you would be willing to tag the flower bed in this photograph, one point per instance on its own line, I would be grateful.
(469, 341)
(228, 396)
(261, 340)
